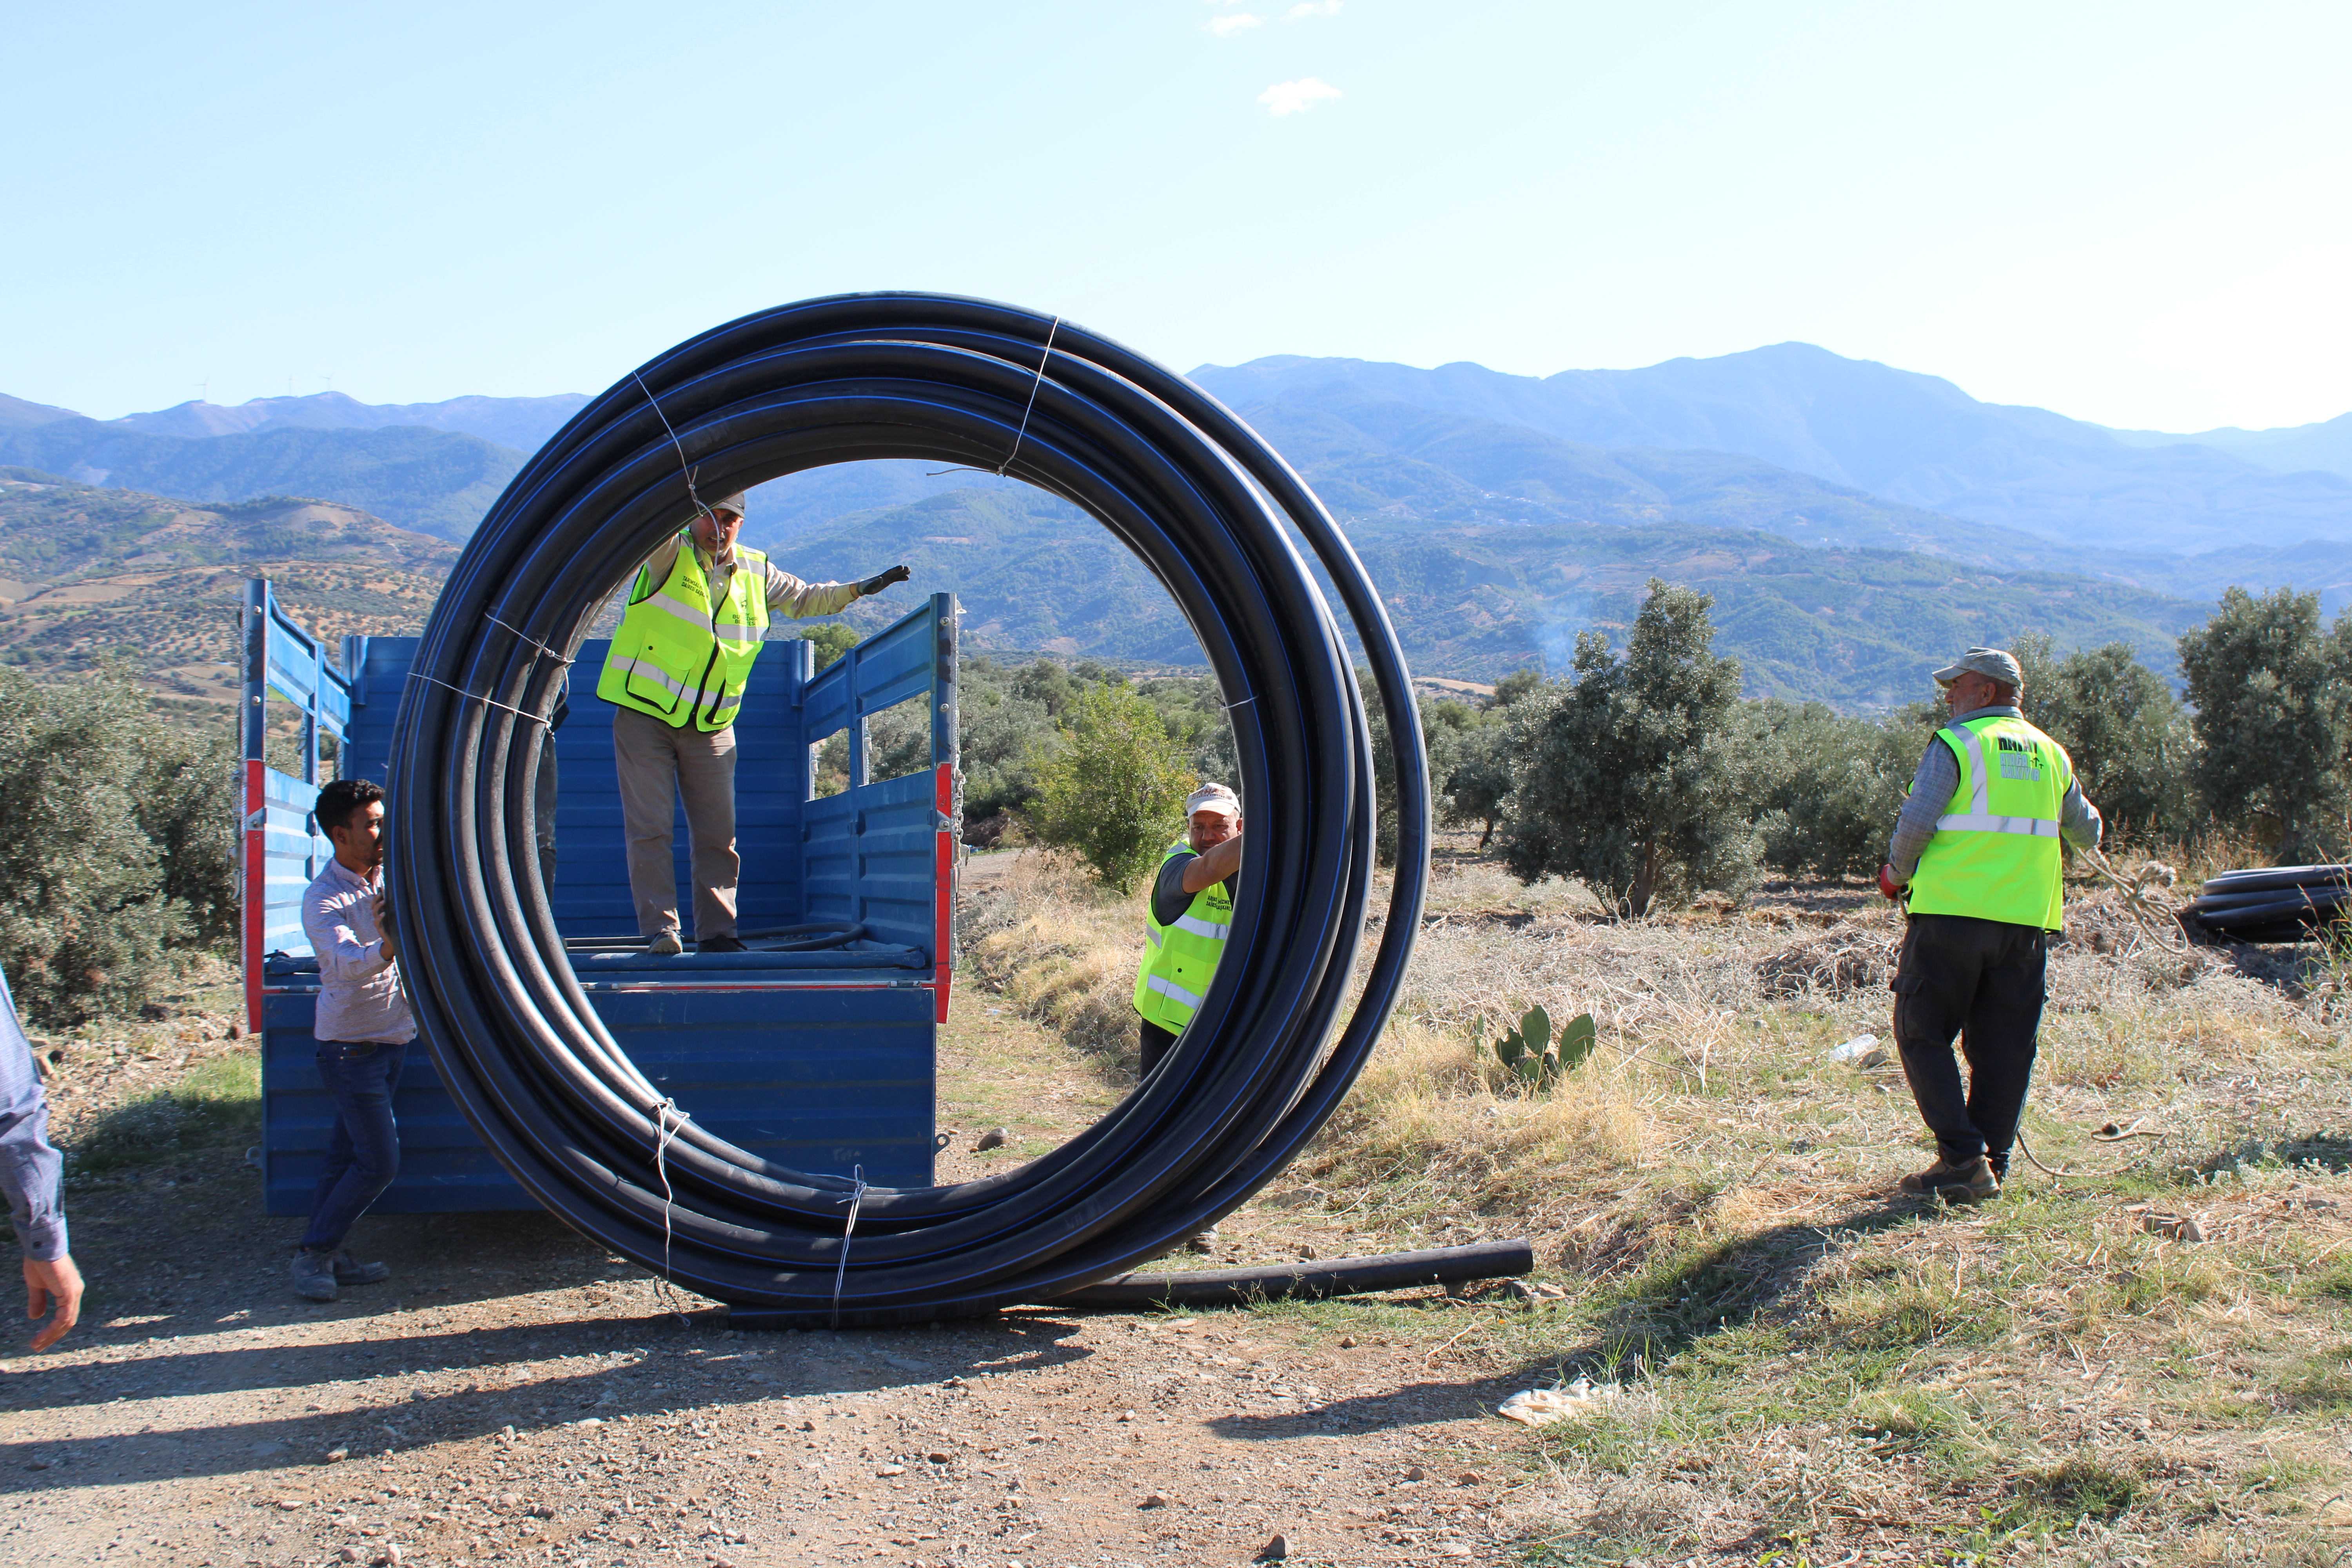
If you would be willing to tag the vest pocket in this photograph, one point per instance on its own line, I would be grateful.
(645, 684)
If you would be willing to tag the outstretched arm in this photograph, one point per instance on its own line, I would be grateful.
(1206, 871)
(789, 598)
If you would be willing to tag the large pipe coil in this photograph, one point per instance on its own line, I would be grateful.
(1225, 526)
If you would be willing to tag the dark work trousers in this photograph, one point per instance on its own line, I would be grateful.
(1157, 1043)
(1981, 980)
(363, 1151)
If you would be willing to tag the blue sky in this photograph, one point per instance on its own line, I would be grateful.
(2135, 212)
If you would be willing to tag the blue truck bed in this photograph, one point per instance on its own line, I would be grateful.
(821, 1060)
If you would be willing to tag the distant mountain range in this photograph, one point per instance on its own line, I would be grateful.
(1477, 600)
(1852, 519)
(1915, 439)
(436, 482)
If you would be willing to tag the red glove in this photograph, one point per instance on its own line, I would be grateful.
(1888, 886)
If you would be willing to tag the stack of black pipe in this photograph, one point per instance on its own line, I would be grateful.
(2274, 903)
(1236, 539)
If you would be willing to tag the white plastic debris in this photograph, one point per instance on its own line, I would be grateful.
(1542, 1406)
(1862, 1051)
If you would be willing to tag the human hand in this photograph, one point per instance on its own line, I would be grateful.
(53, 1289)
(881, 580)
(383, 927)
(1888, 888)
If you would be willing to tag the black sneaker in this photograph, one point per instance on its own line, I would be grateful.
(350, 1271)
(720, 944)
(314, 1274)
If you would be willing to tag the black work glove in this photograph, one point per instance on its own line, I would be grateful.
(882, 580)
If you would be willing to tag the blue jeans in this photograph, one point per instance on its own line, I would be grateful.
(364, 1154)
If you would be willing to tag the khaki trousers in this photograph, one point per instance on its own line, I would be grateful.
(659, 766)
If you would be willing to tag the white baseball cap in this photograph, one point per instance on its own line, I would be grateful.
(1213, 797)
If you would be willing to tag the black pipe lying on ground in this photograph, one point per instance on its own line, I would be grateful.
(1306, 1281)
(1224, 524)
(2273, 903)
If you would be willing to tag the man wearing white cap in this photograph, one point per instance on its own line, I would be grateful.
(1977, 858)
(1192, 914)
(697, 614)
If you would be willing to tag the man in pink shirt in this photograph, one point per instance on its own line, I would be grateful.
(363, 1028)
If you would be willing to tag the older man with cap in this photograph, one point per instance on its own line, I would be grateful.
(1190, 914)
(1977, 859)
(696, 617)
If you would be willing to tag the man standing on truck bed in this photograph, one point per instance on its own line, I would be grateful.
(362, 1028)
(697, 613)
(1977, 847)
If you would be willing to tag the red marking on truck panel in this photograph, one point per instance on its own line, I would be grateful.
(944, 893)
(257, 888)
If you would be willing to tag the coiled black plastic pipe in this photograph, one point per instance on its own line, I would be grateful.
(1218, 518)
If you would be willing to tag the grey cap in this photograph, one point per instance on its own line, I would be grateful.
(733, 503)
(1990, 662)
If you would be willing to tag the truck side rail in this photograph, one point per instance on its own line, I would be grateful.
(883, 851)
(281, 848)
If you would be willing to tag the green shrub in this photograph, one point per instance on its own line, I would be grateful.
(1114, 791)
(87, 916)
(1829, 786)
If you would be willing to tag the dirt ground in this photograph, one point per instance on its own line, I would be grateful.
(514, 1394)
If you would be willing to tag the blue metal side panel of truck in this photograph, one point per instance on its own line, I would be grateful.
(443, 1166)
(819, 1072)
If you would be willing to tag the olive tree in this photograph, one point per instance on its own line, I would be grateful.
(2272, 715)
(1113, 793)
(1829, 786)
(86, 921)
(2131, 741)
(1632, 775)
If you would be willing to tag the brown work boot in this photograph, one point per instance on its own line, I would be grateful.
(1964, 1182)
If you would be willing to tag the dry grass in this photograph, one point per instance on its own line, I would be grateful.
(1057, 947)
(1808, 1367)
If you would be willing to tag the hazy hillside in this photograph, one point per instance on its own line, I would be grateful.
(1910, 438)
(1476, 600)
(54, 531)
(86, 574)
(2327, 445)
(431, 480)
(1393, 461)
(15, 411)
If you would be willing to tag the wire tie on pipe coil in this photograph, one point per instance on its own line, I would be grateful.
(663, 1110)
(528, 638)
(1026, 409)
(691, 493)
(841, 1268)
(475, 697)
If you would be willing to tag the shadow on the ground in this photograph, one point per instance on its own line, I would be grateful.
(1673, 1306)
(659, 1369)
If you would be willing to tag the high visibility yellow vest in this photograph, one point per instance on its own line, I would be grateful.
(1182, 958)
(1996, 854)
(675, 659)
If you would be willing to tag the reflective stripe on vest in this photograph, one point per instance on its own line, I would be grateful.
(1183, 956)
(674, 658)
(1167, 987)
(2000, 858)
